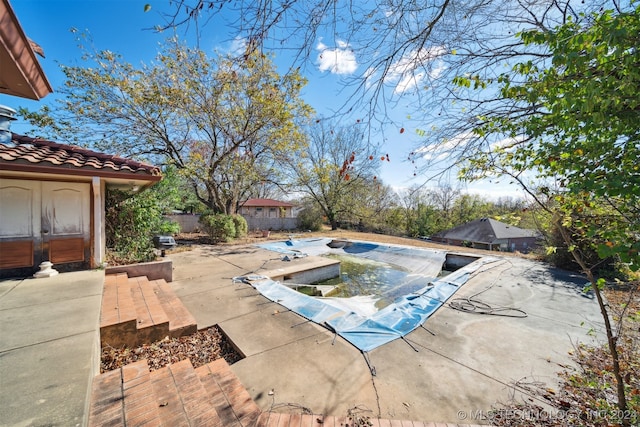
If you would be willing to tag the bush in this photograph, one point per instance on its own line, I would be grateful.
(131, 222)
(241, 226)
(220, 227)
(310, 219)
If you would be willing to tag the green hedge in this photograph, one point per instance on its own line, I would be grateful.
(220, 227)
(241, 226)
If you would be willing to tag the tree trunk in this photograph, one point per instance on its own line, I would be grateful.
(332, 220)
(611, 339)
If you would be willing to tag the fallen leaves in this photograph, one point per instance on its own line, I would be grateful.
(201, 348)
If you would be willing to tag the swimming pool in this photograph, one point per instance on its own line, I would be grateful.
(365, 277)
(370, 329)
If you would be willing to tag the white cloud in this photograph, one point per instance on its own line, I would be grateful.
(338, 60)
(444, 149)
(238, 46)
(410, 70)
(507, 143)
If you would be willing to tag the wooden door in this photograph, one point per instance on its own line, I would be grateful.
(43, 221)
(65, 222)
(19, 223)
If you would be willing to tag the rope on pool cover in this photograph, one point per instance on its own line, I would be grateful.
(471, 305)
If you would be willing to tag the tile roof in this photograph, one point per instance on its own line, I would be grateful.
(265, 202)
(485, 230)
(39, 155)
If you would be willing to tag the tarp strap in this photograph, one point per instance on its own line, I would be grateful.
(372, 369)
(432, 333)
(301, 323)
(410, 345)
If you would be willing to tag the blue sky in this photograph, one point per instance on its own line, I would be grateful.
(123, 27)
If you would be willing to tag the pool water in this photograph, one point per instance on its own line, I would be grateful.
(361, 276)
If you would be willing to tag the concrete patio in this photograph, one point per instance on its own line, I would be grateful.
(453, 370)
(458, 365)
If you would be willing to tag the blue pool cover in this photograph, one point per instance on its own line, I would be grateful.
(366, 333)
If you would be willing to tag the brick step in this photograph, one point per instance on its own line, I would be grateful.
(178, 395)
(232, 401)
(118, 318)
(137, 311)
(181, 321)
(153, 322)
(133, 396)
(181, 398)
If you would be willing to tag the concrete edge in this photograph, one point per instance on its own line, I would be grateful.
(154, 270)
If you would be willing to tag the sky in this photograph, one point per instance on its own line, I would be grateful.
(123, 27)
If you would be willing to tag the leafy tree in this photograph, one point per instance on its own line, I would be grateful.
(421, 216)
(174, 192)
(428, 211)
(469, 207)
(370, 204)
(579, 124)
(332, 168)
(220, 122)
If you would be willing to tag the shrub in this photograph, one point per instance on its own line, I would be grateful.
(130, 223)
(168, 227)
(310, 219)
(219, 227)
(241, 226)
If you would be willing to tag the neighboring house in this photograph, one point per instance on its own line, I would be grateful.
(487, 233)
(269, 214)
(266, 208)
(52, 203)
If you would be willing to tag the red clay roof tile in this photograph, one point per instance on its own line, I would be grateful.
(39, 152)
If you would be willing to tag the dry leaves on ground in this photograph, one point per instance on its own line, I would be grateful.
(201, 348)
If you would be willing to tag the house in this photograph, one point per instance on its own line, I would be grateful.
(52, 196)
(487, 233)
(269, 214)
(52, 203)
(266, 208)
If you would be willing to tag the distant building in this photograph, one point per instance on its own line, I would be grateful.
(490, 234)
(266, 208)
(269, 214)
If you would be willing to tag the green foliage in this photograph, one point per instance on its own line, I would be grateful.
(241, 225)
(577, 123)
(131, 222)
(425, 212)
(219, 227)
(310, 218)
(175, 193)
